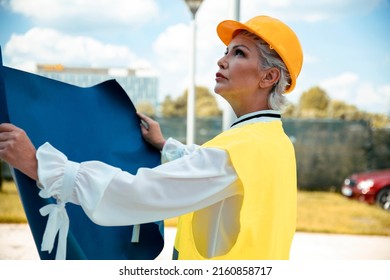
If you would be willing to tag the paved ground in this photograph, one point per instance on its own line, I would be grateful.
(16, 243)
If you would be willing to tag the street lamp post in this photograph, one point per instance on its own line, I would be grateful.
(193, 5)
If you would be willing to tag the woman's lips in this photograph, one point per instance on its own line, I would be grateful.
(219, 76)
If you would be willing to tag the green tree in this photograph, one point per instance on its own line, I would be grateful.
(205, 104)
(341, 110)
(168, 107)
(379, 120)
(146, 108)
(314, 103)
(290, 111)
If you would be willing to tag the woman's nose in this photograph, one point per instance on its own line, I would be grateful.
(222, 63)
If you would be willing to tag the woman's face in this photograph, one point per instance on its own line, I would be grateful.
(239, 69)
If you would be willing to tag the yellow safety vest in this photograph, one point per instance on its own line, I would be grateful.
(264, 159)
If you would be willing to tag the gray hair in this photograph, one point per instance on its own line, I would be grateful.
(270, 58)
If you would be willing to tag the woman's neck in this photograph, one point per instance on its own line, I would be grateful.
(245, 103)
(243, 110)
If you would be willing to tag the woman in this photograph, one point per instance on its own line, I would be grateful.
(236, 193)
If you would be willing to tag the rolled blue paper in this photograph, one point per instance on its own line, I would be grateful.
(94, 123)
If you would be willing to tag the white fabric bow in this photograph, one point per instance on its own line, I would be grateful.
(58, 222)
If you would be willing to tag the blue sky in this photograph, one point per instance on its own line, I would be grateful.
(346, 43)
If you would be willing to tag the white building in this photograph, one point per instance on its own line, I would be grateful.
(141, 86)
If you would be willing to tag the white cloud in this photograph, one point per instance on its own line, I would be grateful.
(172, 48)
(43, 45)
(344, 80)
(310, 11)
(308, 58)
(384, 92)
(372, 98)
(367, 97)
(68, 14)
(170, 53)
(341, 87)
(349, 88)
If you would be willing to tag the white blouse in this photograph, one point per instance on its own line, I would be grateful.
(191, 178)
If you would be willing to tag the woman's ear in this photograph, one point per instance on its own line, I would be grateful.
(269, 77)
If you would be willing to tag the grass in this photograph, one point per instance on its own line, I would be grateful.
(328, 212)
(11, 209)
(320, 212)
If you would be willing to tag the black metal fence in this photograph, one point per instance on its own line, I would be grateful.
(327, 151)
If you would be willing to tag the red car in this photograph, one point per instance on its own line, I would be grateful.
(371, 187)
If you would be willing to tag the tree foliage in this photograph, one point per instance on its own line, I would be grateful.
(205, 104)
(146, 108)
(315, 103)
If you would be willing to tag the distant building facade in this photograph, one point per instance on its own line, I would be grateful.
(140, 86)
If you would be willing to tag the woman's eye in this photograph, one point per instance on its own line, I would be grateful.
(236, 52)
(239, 52)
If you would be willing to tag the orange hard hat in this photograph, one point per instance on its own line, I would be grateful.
(278, 35)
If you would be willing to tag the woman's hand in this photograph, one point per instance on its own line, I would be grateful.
(151, 131)
(17, 150)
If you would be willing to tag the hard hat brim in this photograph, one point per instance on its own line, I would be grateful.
(226, 29)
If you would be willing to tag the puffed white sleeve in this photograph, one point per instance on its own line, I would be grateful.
(110, 196)
(174, 149)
